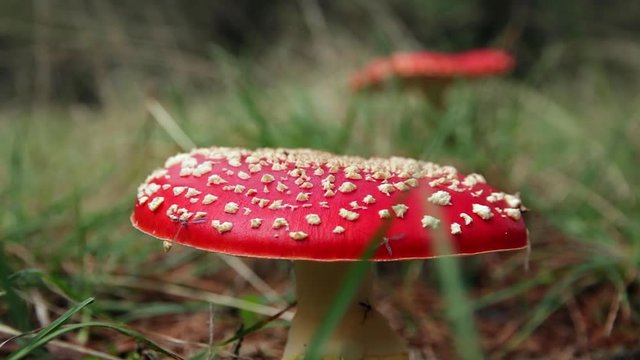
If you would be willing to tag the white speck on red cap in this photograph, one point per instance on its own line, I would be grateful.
(313, 219)
(191, 192)
(348, 215)
(384, 214)
(302, 196)
(347, 187)
(440, 197)
(386, 189)
(298, 235)
(429, 221)
(483, 211)
(467, 219)
(155, 203)
(513, 213)
(267, 178)
(255, 223)
(231, 208)
(400, 210)
(279, 223)
(215, 179)
(495, 197)
(513, 200)
(222, 227)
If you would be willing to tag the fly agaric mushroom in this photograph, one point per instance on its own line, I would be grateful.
(322, 211)
(433, 71)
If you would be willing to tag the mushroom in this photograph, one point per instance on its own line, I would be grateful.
(323, 211)
(432, 71)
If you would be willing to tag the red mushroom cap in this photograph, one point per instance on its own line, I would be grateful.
(434, 65)
(305, 204)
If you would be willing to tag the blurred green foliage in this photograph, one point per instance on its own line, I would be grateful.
(74, 51)
(76, 138)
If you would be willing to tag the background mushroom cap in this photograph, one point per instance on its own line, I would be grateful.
(305, 204)
(433, 65)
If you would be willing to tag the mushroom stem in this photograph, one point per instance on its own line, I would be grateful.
(363, 332)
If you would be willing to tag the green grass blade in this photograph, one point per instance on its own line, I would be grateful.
(16, 307)
(58, 284)
(44, 335)
(248, 101)
(338, 308)
(125, 331)
(553, 300)
(449, 121)
(257, 325)
(512, 291)
(344, 295)
(170, 126)
(346, 131)
(18, 312)
(459, 309)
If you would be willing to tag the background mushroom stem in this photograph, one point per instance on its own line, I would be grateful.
(363, 332)
(434, 90)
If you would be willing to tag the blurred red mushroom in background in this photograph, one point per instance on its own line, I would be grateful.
(432, 72)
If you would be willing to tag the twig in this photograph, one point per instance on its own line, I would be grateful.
(612, 316)
(259, 325)
(40, 306)
(195, 294)
(579, 323)
(527, 256)
(169, 125)
(594, 199)
(210, 349)
(238, 345)
(256, 281)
